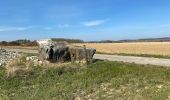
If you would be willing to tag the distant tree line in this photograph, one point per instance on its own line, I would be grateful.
(103, 41)
(68, 40)
(21, 42)
(166, 39)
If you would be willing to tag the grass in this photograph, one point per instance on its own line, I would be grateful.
(101, 80)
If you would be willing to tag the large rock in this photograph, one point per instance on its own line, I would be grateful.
(54, 52)
(81, 53)
(62, 52)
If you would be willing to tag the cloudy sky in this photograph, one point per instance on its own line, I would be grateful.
(84, 19)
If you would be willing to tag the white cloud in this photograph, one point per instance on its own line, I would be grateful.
(94, 22)
(11, 28)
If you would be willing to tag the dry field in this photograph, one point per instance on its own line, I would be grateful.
(151, 48)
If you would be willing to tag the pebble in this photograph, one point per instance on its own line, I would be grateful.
(31, 58)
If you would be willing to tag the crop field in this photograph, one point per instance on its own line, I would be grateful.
(149, 48)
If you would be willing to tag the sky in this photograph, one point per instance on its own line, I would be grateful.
(84, 19)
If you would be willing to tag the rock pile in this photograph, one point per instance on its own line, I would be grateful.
(31, 58)
(35, 60)
(6, 56)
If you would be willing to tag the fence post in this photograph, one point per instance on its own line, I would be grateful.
(86, 57)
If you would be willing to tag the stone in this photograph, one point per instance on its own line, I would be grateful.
(80, 53)
(6, 56)
(57, 52)
(31, 58)
(63, 52)
(40, 62)
(27, 58)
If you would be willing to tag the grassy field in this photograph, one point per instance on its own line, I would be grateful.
(101, 80)
(141, 48)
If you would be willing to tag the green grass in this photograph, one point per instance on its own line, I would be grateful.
(101, 80)
(138, 55)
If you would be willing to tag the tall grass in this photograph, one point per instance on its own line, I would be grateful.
(101, 80)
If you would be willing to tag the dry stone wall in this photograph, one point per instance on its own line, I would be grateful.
(6, 56)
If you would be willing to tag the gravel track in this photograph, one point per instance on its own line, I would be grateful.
(136, 60)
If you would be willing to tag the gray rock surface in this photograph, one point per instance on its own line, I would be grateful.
(6, 56)
(81, 53)
(55, 52)
(62, 52)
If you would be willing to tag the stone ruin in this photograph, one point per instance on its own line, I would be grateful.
(64, 52)
(6, 56)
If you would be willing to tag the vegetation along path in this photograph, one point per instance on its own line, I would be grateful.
(129, 59)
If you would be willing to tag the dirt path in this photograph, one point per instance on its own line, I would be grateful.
(136, 60)
(129, 59)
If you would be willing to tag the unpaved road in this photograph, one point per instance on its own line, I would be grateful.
(136, 60)
(129, 59)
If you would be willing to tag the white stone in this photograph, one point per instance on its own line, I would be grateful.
(40, 62)
(27, 58)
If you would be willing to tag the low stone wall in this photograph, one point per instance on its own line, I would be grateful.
(6, 56)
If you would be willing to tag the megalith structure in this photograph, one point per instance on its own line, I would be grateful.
(64, 52)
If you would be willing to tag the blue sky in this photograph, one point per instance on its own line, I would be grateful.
(84, 19)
